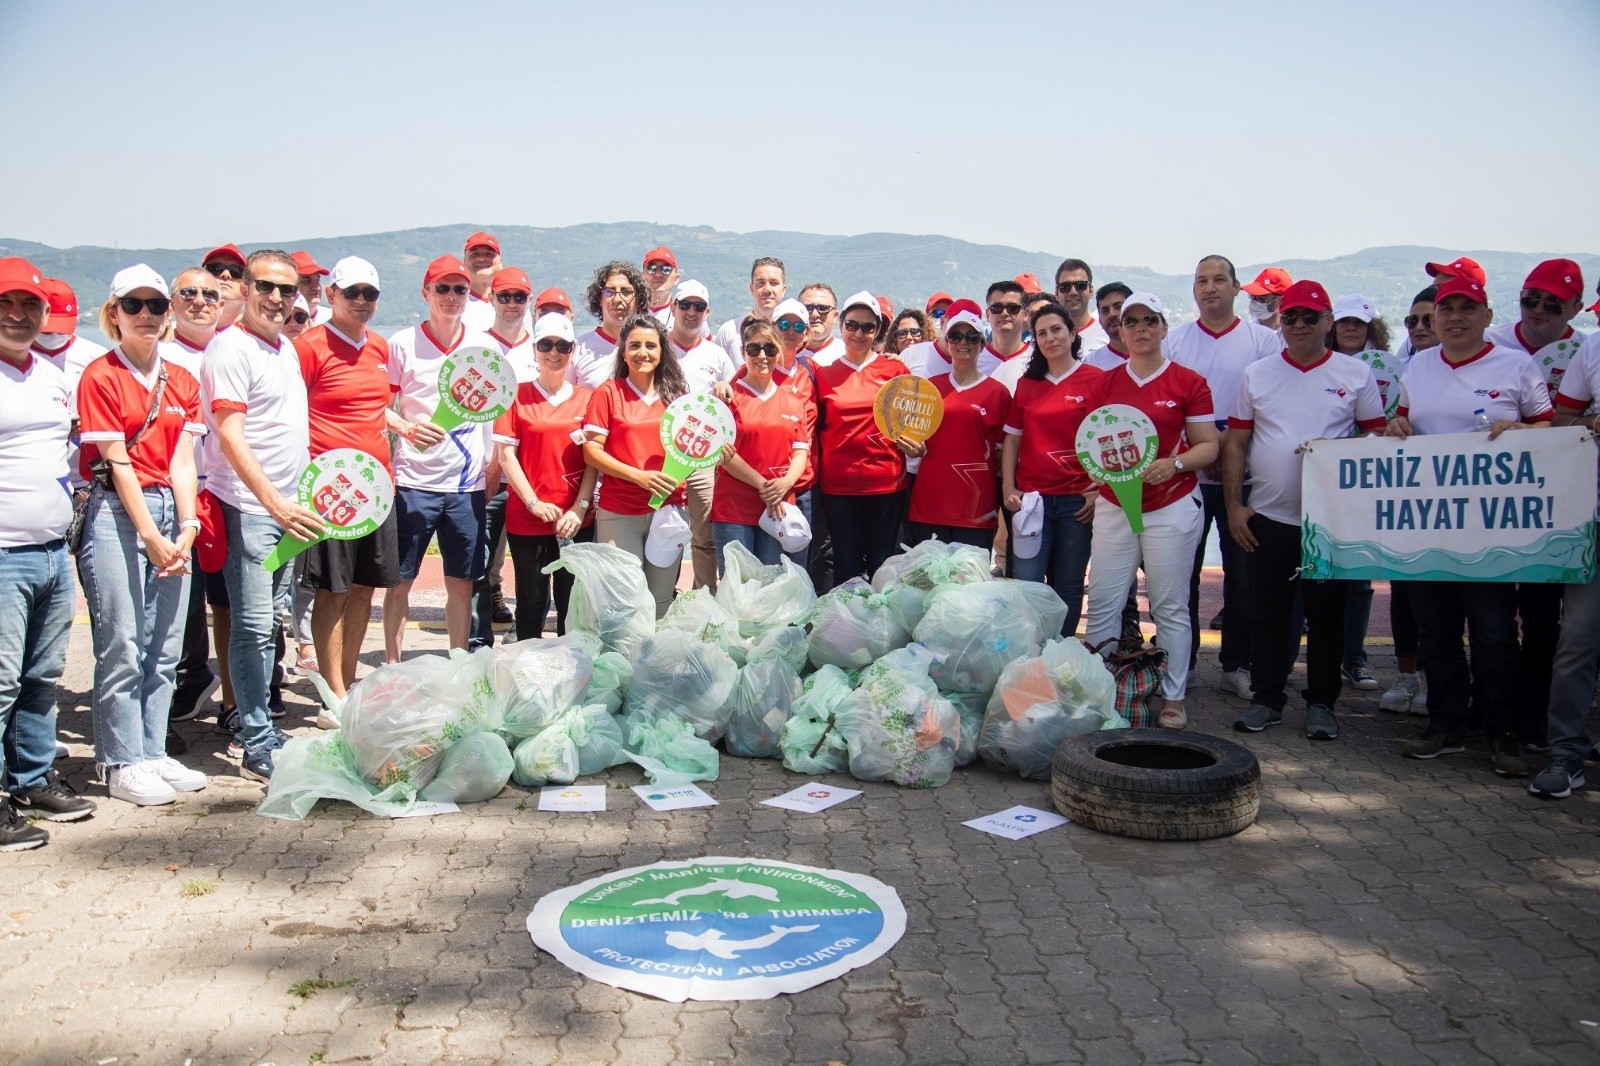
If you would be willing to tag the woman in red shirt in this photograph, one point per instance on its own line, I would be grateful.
(138, 536)
(541, 454)
(623, 443)
(760, 472)
(953, 497)
(863, 473)
(1178, 402)
(1041, 456)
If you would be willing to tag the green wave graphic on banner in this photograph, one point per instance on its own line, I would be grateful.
(1564, 556)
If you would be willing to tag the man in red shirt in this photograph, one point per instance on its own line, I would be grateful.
(345, 367)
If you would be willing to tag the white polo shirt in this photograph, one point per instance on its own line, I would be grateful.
(1094, 338)
(242, 371)
(1107, 358)
(456, 463)
(830, 351)
(478, 316)
(1552, 359)
(36, 412)
(1580, 386)
(519, 354)
(1220, 358)
(594, 357)
(705, 364)
(180, 352)
(1284, 405)
(1437, 397)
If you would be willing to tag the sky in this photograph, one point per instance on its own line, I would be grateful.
(1131, 134)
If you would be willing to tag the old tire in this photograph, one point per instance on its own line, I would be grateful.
(1157, 784)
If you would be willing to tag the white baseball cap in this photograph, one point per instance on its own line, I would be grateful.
(688, 290)
(553, 324)
(669, 535)
(138, 277)
(1144, 299)
(300, 303)
(353, 270)
(863, 299)
(792, 531)
(791, 308)
(1354, 305)
(1027, 528)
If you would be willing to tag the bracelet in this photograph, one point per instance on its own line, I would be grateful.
(190, 523)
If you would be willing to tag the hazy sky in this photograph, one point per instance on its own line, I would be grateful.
(1129, 134)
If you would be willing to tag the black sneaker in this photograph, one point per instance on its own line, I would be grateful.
(1432, 743)
(176, 745)
(1506, 756)
(1559, 780)
(276, 707)
(502, 613)
(188, 698)
(228, 720)
(53, 801)
(15, 832)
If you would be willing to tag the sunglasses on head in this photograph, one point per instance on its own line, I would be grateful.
(361, 292)
(659, 268)
(853, 326)
(132, 305)
(231, 271)
(692, 305)
(189, 293)
(1551, 305)
(1132, 321)
(789, 325)
(266, 288)
(550, 345)
(754, 349)
(446, 289)
(967, 337)
(1298, 315)
(1413, 321)
(1072, 286)
(300, 318)
(612, 294)
(511, 297)
(910, 333)
(1005, 309)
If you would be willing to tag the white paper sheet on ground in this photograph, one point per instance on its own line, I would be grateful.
(572, 798)
(1014, 823)
(427, 808)
(812, 797)
(675, 798)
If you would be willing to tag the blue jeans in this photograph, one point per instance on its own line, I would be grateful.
(254, 592)
(758, 540)
(1572, 681)
(138, 629)
(1063, 555)
(36, 600)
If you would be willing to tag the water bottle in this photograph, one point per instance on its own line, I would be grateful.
(1481, 420)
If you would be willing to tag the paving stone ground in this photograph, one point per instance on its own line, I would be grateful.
(1379, 911)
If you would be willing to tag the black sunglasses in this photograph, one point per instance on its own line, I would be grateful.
(820, 309)
(300, 318)
(548, 345)
(445, 289)
(361, 292)
(1300, 314)
(1552, 306)
(754, 349)
(266, 288)
(659, 268)
(132, 305)
(231, 271)
(1132, 321)
(189, 293)
(905, 334)
(964, 338)
(853, 326)
(509, 298)
(1413, 321)
(1072, 286)
(692, 305)
(1005, 309)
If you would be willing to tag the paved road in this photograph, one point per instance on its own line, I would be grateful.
(1379, 911)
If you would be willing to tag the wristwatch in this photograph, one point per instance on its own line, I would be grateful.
(1177, 464)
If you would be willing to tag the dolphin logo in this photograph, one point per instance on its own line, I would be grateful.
(729, 890)
(713, 942)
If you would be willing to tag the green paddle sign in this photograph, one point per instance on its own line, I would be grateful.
(475, 385)
(1116, 444)
(694, 430)
(350, 489)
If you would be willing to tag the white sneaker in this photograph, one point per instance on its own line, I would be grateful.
(141, 785)
(177, 775)
(1237, 683)
(1405, 694)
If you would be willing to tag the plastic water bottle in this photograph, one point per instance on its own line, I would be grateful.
(1481, 420)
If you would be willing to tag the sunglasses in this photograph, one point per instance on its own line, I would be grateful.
(659, 268)
(1413, 321)
(444, 289)
(1072, 286)
(132, 305)
(853, 326)
(1298, 315)
(231, 271)
(1133, 321)
(511, 297)
(820, 309)
(752, 350)
(1005, 309)
(548, 345)
(964, 338)
(300, 318)
(1551, 305)
(938, 312)
(789, 325)
(267, 288)
(361, 292)
(908, 334)
(189, 293)
(612, 294)
(692, 305)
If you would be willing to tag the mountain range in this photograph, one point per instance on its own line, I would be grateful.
(904, 267)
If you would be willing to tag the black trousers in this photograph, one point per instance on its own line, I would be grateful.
(1444, 611)
(529, 556)
(864, 530)
(1274, 583)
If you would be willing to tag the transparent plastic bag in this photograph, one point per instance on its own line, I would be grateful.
(609, 596)
(535, 680)
(308, 769)
(676, 675)
(854, 626)
(698, 614)
(760, 704)
(899, 728)
(668, 750)
(399, 721)
(611, 673)
(811, 742)
(761, 597)
(474, 769)
(1040, 701)
(975, 630)
(971, 707)
(932, 563)
(579, 741)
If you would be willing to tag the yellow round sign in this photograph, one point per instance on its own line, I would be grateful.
(909, 408)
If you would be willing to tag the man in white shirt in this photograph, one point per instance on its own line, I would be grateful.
(1108, 303)
(822, 345)
(1308, 393)
(256, 446)
(1265, 292)
(225, 263)
(60, 342)
(1075, 292)
(1218, 347)
(661, 275)
(311, 275)
(439, 477)
(482, 256)
(766, 292)
(705, 365)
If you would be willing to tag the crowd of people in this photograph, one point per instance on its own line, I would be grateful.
(163, 472)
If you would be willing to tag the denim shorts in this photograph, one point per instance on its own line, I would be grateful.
(458, 519)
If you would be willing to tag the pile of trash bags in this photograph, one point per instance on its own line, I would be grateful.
(931, 665)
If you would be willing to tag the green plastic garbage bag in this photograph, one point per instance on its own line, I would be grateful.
(399, 720)
(762, 698)
(853, 625)
(534, 680)
(308, 769)
(676, 675)
(611, 672)
(898, 727)
(811, 743)
(609, 596)
(1042, 700)
(762, 598)
(473, 769)
(925, 567)
(668, 750)
(973, 631)
(579, 741)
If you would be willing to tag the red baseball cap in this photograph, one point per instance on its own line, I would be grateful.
(63, 317)
(1273, 281)
(443, 267)
(1029, 282)
(661, 255)
(1461, 266)
(886, 305)
(305, 265)
(938, 298)
(19, 275)
(1460, 285)
(510, 279)
(1561, 278)
(552, 297)
(482, 240)
(225, 251)
(1306, 294)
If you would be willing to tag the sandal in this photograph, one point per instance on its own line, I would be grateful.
(1173, 718)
